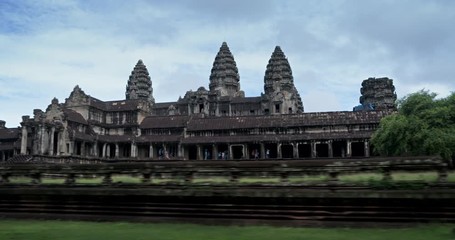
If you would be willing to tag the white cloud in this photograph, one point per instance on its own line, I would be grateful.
(48, 47)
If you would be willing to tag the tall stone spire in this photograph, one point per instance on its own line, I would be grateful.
(279, 85)
(139, 84)
(225, 75)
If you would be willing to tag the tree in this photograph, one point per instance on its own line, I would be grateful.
(423, 125)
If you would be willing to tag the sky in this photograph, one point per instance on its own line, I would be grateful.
(47, 47)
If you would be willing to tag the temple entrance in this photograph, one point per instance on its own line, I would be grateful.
(100, 149)
(304, 150)
(287, 151)
(55, 146)
(271, 150)
(192, 152)
(143, 150)
(78, 148)
(358, 149)
(124, 150)
(223, 151)
(237, 152)
(339, 149)
(254, 151)
(207, 152)
(171, 151)
(111, 150)
(322, 150)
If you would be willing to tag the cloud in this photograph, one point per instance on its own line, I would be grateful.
(48, 47)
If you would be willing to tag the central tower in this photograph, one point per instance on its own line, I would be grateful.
(281, 96)
(224, 77)
(139, 84)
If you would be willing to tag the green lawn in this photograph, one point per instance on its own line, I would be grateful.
(350, 178)
(69, 230)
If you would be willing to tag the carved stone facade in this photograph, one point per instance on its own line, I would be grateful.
(225, 79)
(225, 98)
(214, 123)
(139, 84)
(379, 93)
(280, 96)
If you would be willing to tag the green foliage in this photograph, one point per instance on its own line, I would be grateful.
(423, 125)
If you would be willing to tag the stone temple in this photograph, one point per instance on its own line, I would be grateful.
(214, 123)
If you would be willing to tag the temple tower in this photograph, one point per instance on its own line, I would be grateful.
(281, 96)
(379, 93)
(224, 77)
(139, 84)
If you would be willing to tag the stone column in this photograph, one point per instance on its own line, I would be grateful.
(133, 150)
(214, 152)
(180, 151)
(330, 143)
(103, 154)
(151, 153)
(83, 150)
(246, 152)
(262, 151)
(367, 148)
(278, 151)
(108, 150)
(95, 149)
(117, 149)
(230, 157)
(51, 147)
(295, 147)
(24, 140)
(41, 131)
(71, 147)
(313, 149)
(199, 152)
(348, 148)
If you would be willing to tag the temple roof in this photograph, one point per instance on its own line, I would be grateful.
(284, 121)
(74, 116)
(156, 122)
(9, 133)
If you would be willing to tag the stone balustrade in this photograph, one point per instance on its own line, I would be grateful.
(186, 172)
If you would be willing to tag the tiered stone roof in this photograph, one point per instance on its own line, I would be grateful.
(278, 77)
(139, 84)
(225, 75)
(378, 92)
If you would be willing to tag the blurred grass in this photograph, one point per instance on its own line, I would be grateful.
(73, 230)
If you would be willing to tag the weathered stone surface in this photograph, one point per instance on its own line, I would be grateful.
(225, 78)
(280, 92)
(214, 123)
(379, 93)
(139, 84)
